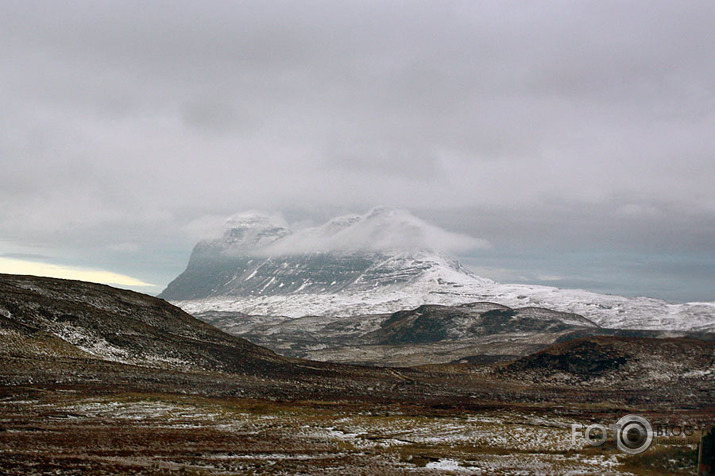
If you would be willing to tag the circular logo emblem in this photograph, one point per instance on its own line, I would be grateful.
(634, 435)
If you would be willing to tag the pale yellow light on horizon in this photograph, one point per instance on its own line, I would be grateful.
(16, 266)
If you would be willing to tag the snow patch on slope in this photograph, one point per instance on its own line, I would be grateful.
(452, 288)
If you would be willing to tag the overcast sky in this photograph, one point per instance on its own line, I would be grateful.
(577, 138)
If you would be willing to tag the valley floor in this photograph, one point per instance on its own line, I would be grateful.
(100, 431)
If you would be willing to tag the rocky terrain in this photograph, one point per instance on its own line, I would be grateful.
(104, 381)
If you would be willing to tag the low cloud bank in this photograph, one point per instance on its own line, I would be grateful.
(381, 229)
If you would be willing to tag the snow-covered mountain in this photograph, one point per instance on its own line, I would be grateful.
(382, 252)
(377, 263)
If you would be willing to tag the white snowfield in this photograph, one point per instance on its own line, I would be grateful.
(441, 283)
(425, 277)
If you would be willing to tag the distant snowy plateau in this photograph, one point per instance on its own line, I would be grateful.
(262, 269)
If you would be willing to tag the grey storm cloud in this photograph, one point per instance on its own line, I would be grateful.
(578, 125)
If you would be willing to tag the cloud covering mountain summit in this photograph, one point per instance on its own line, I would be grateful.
(381, 229)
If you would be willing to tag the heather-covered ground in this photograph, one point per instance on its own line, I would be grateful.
(67, 431)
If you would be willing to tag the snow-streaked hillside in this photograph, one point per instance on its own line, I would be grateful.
(605, 310)
(260, 268)
(57, 318)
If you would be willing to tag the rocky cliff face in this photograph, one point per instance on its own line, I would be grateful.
(348, 255)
